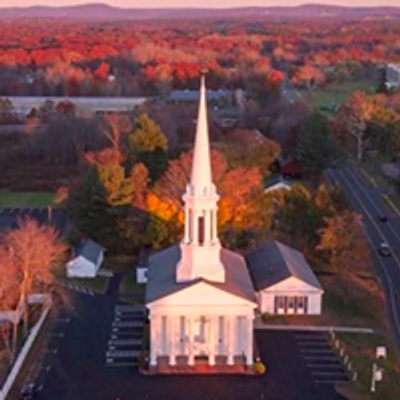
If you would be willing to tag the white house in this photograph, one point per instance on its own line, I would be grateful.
(86, 261)
(15, 315)
(277, 184)
(284, 281)
(393, 76)
(141, 273)
(142, 267)
(200, 297)
(10, 315)
(83, 105)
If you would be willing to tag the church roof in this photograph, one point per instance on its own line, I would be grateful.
(274, 262)
(162, 276)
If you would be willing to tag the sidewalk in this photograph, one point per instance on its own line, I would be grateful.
(344, 329)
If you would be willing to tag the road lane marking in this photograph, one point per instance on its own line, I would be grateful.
(390, 202)
(371, 200)
(337, 365)
(311, 337)
(113, 364)
(321, 358)
(380, 262)
(122, 354)
(316, 351)
(56, 335)
(329, 373)
(125, 342)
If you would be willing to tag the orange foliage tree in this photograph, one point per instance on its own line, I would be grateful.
(31, 257)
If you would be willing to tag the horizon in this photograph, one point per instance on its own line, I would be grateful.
(206, 4)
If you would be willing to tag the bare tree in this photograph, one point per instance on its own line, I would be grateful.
(36, 254)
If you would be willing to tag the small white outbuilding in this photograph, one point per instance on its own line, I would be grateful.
(284, 281)
(142, 267)
(277, 184)
(86, 261)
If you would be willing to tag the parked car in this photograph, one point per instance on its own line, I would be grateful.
(383, 218)
(384, 250)
(28, 392)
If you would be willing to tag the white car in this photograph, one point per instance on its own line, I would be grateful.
(384, 250)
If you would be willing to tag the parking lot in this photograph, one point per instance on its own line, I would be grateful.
(321, 361)
(9, 216)
(126, 336)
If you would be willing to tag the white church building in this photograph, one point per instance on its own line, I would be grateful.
(202, 298)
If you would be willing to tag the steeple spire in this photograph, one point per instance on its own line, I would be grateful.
(200, 247)
(201, 180)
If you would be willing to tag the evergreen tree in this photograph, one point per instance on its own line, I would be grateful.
(316, 147)
(100, 201)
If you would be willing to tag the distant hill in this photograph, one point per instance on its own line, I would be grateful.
(103, 12)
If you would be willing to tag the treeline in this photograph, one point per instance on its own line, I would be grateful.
(130, 58)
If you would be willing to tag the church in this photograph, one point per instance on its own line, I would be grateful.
(202, 298)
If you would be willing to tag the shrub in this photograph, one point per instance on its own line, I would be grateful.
(259, 368)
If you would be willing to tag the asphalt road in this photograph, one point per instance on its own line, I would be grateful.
(369, 201)
(76, 366)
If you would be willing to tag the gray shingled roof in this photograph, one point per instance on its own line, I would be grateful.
(90, 250)
(274, 262)
(272, 182)
(194, 95)
(162, 275)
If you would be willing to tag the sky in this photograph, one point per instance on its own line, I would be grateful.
(197, 3)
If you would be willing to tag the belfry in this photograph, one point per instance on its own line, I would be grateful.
(200, 248)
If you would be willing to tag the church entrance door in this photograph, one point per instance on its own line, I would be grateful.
(201, 338)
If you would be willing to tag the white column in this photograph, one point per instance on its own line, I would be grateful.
(215, 217)
(171, 322)
(190, 347)
(187, 226)
(206, 227)
(249, 340)
(155, 337)
(182, 335)
(231, 337)
(212, 340)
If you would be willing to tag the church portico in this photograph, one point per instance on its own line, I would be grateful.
(205, 337)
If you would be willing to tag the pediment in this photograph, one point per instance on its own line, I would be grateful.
(202, 293)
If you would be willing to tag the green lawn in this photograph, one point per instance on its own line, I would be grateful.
(26, 199)
(129, 286)
(123, 264)
(361, 350)
(333, 95)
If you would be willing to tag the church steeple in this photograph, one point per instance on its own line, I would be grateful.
(201, 169)
(200, 248)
